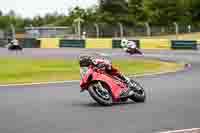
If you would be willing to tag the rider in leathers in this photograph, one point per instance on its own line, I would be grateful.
(110, 69)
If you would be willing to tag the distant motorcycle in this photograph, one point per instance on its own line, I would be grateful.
(133, 51)
(14, 46)
(106, 89)
(130, 47)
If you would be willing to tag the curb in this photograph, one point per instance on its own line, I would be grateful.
(192, 130)
(72, 81)
(39, 83)
(186, 67)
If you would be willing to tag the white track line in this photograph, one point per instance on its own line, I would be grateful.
(192, 130)
(40, 83)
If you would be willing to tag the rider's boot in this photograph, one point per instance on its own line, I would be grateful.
(128, 82)
(130, 87)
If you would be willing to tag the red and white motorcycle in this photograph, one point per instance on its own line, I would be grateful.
(106, 89)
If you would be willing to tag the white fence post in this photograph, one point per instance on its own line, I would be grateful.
(176, 29)
(121, 30)
(75, 29)
(13, 31)
(97, 30)
(79, 20)
(148, 28)
(189, 28)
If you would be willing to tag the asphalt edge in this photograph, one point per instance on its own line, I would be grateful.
(192, 130)
(185, 68)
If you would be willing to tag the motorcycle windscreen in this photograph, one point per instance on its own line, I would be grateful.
(83, 71)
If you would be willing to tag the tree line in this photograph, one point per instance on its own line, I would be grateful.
(128, 12)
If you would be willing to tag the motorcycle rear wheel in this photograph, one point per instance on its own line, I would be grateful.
(124, 99)
(140, 94)
(94, 91)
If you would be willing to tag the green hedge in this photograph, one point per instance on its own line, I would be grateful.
(72, 43)
(183, 44)
(29, 43)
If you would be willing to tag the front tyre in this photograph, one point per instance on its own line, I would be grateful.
(140, 94)
(100, 93)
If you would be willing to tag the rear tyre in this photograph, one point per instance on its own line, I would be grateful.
(140, 94)
(102, 97)
(124, 99)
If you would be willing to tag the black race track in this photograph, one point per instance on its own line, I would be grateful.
(173, 101)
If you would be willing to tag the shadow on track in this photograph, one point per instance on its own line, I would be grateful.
(96, 105)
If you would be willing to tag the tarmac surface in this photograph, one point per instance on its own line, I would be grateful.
(172, 100)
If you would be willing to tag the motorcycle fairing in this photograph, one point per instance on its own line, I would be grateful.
(115, 85)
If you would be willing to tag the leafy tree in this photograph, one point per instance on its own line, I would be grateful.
(129, 12)
(195, 10)
(114, 6)
(116, 10)
(162, 12)
(4, 22)
(136, 11)
(1, 13)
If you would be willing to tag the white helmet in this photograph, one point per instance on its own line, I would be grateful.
(124, 42)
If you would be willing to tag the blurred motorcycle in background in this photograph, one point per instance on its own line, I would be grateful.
(13, 45)
(130, 47)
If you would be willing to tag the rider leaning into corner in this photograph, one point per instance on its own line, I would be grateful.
(13, 42)
(130, 46)
(102, 61)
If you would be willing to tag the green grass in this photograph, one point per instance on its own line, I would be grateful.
(16, 70)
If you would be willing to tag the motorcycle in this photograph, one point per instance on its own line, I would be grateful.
(133, 51)
(13, 45)
(106, 89)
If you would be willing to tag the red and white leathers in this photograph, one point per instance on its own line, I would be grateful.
(109, 68)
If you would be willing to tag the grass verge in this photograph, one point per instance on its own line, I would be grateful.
(16, 70)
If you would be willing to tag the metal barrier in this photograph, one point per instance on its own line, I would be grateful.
(72, 43)
(183, 44)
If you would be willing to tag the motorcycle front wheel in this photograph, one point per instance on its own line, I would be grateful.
(140, 94)
(100, 93)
